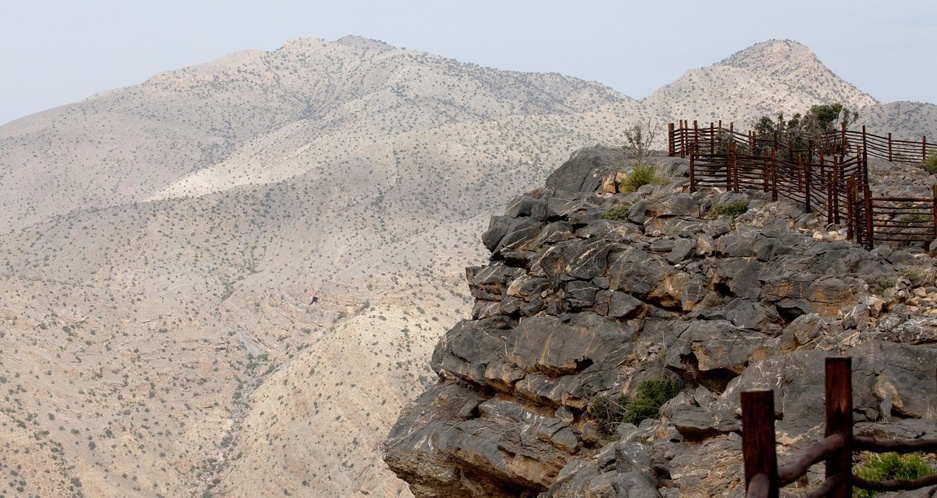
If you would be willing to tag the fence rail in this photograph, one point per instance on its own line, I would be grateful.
(833, 185)
(763, 477)
(711, 139)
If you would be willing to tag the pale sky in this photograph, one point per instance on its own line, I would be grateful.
(53, 52)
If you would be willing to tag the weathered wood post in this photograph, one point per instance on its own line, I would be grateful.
(671, 146)
(774, 174)
(766, 171)
(924, 149)
(935, 210)
(806, 168)
(758, 443)
(869, 230)
(729, 161)
(865, 151)
(692, 169)
(843, 147)
(696, 135)
(889, 146)
(851, 233)
(684, 137)
(839, 421)
(712, 138)
(837, 180)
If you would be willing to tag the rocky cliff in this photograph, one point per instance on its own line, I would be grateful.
(575, 309)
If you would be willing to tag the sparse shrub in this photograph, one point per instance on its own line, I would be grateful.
(639, 138)
(617, 212)
(642, 174)
(607, 411)
(732, 209)
(931, 164)
(916, 218)
(651, 395)
(888, 466)
(879, 282)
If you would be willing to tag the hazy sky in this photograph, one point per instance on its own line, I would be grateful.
(53, 52)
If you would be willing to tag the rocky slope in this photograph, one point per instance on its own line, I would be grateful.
(574, 307)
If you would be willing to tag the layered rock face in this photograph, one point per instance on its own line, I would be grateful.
(574, 307)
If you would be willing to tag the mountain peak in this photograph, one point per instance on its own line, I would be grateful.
(778, 58)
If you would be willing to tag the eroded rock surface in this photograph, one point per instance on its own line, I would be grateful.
(573, 306)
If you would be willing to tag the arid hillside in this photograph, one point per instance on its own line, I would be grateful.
(228, 279)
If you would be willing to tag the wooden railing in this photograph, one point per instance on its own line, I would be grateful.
(832, 184)
(712, 139)
(763, 477)
(821, 187)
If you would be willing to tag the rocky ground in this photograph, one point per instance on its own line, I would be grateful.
(574, 307)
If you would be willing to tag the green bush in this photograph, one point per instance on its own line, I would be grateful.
(879, 282)
(617, 212)
(732, 209)
(888, 466)
(650, 395)
(607, 412)
(641, 175)
(931, 164)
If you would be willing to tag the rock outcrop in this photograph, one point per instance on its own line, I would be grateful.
(574, 307)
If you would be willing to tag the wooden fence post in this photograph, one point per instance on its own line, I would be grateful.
(712, 138)
(851, 234)
(806, 168)
(758, 442)
(889, 146)
(837, 180)
(839, 421)
(935, 210)
(696, 135)
(865, 151)
(684, 137)
(692, 169)
(869, 230)
(829, 195)
(671, 146)
(765, 172)
(729, 161)
(843, 147)
(774, 175)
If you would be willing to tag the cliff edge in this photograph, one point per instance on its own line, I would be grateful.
(591, 291)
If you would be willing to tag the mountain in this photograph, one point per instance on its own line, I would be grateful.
(764, 79)
(229, 278)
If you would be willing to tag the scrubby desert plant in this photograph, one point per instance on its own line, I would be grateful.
(617, 212)
(641, 175)
(888, 466)
(931, 164)
(650, 395)
(607, 411)
(639, 138)
(732, 209)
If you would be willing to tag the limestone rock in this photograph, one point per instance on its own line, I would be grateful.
(573, 308)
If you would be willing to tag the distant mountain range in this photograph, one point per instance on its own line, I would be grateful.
(229, 278)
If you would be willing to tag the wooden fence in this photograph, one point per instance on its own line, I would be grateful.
(713, 138)
(763, 477)
(834, 185)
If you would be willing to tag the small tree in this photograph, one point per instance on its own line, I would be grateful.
(812, 126)
(639, 138)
